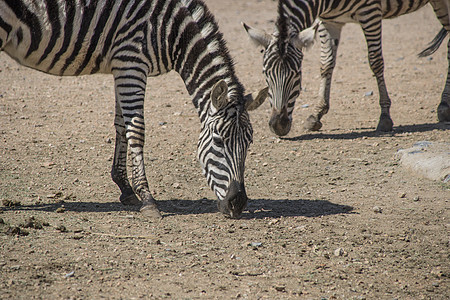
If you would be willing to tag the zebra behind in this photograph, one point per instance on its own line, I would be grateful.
(134, 39)
(299, 21)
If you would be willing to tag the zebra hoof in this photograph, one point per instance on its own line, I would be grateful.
(313, 124)
(150, 211)
(385, 124)
(129, 198)
(443, 112)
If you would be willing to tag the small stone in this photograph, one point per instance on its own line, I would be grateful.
(60, 210)
(338, 252)
(62, 228)
(176, 185)
(280, 288)
(275, 221)
(70, 274)
(255, 244)
(416, 198)
(54, 195)
(108, 140)
(401, 194)
(369, 93)
(377, 209)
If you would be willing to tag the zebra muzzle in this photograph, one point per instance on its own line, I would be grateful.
(235, 201)
(279, 122)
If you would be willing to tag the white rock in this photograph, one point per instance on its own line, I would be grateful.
(428, 159)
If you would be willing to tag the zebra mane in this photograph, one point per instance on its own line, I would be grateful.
(214, 39)
(282, 25)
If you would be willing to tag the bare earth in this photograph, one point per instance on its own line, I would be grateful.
(332, 214)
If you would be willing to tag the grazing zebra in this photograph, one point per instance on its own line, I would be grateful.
(134, 39)
(297, 24)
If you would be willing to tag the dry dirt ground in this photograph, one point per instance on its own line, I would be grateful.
(332, 214)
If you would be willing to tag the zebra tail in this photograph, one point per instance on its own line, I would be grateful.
(435, 43)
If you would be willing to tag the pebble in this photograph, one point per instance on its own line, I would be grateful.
(401, 194)
(275, 221)
(61, 228)
(255, 244)
(60, 210)
(416, 198)
(280, 288)
(108, 140)
(377, 209)
(339, 252)
(367, 94)
(70, 274)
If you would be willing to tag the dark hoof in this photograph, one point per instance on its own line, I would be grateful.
(150, 210)
(129, 198)
(385, 124)
(443, 112)
(312, 123)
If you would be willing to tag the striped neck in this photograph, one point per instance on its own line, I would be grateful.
(295, 16)
(202, 59)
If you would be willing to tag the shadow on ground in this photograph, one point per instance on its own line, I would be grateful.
(257, 208)
(368, 132)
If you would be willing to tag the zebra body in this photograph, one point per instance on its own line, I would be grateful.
(297, 24)
(134, 39)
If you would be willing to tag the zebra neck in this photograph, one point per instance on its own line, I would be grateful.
(296, 15)
(203, 59)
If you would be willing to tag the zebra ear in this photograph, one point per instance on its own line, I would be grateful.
(257, 36)
(219, 94)
(306, 38)
(252, 103)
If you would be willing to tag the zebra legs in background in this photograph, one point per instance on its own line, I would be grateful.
(442, 11)
(130, 134)
(329, 38)
(444, 107)
(329, 34)
(373, 34)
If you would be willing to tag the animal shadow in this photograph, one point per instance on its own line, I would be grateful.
(256, 209)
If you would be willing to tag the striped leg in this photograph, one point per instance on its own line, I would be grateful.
(130, 93)
(372, 31)
(442, 10)
(329, 33)
(119, 168)
(444, 107)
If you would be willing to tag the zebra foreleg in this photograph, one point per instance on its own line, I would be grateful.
(372, 32)
(442, 11)
(119, 168)
(130, 92)
(443, 110)
(329, 34)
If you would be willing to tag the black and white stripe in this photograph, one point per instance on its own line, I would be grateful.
(297, 17)
(134, 39)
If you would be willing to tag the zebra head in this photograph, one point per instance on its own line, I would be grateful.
(222, 148)
(282, 64)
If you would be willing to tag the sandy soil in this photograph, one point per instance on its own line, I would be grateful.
(332, 215)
